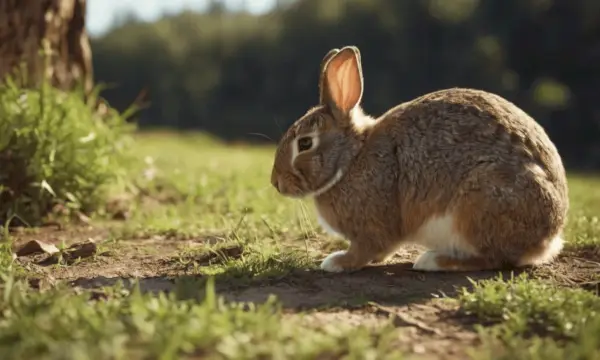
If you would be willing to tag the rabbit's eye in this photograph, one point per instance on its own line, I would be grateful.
(305, 143)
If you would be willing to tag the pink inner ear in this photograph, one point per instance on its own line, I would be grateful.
(349, 84)
(344, 83)
(333, 84)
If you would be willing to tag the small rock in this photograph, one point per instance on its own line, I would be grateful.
(37, 247)
(83, 250)
(74, 252)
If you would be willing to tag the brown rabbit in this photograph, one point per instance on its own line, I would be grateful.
(463, 172)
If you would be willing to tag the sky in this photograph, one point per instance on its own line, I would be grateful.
(101, 13)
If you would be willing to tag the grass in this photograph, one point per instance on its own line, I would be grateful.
(584, 218)
(535, 319)
(131, 325)
(55, 151)
(215, 205)
(208, 188)
(525, 306)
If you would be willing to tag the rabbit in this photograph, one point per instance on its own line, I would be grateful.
(462, 172)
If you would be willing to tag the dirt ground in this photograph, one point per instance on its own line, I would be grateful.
(432, 327)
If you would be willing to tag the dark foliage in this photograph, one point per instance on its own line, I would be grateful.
(234, 74)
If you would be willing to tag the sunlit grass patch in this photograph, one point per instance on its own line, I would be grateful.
(583, 227)
(497, 344)
(195, 187)
(55, 150)
(525, 305)
(236, 259)
(59, 324)
(534, 319)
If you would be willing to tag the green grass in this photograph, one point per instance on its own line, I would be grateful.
(223, 192)
(55, 150)
(534, 319)
(526, 306)
(250, 261)
(584, 215)
(191, 187)
(201, 187)
(62, 325)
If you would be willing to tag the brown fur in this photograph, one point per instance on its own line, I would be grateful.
(464, 153)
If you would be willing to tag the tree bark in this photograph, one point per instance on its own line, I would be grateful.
(45, 38)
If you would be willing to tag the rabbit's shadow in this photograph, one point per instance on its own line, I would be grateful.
(394, 284)
(391, 284)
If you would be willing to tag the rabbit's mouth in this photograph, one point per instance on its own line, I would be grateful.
(287, 188)
(294, 186)
(292, 192)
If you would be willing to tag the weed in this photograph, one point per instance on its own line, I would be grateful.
(55, 151)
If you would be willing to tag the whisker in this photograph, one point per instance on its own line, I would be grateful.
(310, 228)
(262, 135)
(263, 189)
(308, 233)
(300, 220)
(279, 127)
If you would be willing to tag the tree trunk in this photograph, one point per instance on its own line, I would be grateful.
(45, 38)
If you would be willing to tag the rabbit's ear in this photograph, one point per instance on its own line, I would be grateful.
(328, 56)
(343, 81)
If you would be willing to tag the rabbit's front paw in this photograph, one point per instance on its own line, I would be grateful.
(332, 264)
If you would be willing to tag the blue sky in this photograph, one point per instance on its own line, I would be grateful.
(101, 13)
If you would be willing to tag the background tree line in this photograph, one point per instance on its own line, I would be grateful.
(234, 74)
